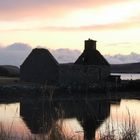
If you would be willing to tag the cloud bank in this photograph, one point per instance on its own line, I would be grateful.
(16, 53)
(120, 59)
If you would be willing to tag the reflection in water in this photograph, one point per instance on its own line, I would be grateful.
(79, 115)
(123, 117)
(11, 121)
(127, 109)
(128, 76)
(41, 116)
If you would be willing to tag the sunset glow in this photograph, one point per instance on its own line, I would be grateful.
(67, 24)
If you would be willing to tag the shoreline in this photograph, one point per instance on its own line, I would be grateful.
(23, 91)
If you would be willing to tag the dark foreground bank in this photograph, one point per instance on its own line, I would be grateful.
(22, 91)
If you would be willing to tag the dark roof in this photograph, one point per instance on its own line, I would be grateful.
(40, 55)
(9, 70)
(91, 57)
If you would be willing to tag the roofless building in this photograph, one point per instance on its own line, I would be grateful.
(90, 68)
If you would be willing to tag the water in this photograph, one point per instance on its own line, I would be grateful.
(25, 119)
(11, 121)
(76, 119)
(128, 76)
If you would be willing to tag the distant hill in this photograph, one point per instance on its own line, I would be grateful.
(125, 68)
(9, 70)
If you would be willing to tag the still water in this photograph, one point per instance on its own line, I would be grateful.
(77, 119)
(128, 76)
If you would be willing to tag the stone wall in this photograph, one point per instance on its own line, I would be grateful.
(82, 75)
(39, 74)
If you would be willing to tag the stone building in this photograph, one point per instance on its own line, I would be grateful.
(91, 67)
(40, 66)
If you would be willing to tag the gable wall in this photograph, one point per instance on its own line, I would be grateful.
(82, 75)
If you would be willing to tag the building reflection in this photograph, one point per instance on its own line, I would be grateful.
(40, 116)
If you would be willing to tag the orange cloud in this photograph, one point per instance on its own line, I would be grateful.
(103, 27)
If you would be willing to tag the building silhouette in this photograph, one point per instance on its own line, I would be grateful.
(40, 66)
(90, 68)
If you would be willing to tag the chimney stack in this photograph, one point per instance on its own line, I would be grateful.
(90, 44)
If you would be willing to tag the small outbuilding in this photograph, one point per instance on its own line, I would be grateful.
(40, 66)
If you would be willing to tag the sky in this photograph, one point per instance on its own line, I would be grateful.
(55, 24)
(16, 53)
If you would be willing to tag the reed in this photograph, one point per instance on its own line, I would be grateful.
(126, 131)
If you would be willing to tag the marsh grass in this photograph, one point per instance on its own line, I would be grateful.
(5, 134)
(8, 80)
(55, 133)
(127, 130)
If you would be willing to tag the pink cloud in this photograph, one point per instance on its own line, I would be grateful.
(16, 4)
(15, 9)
